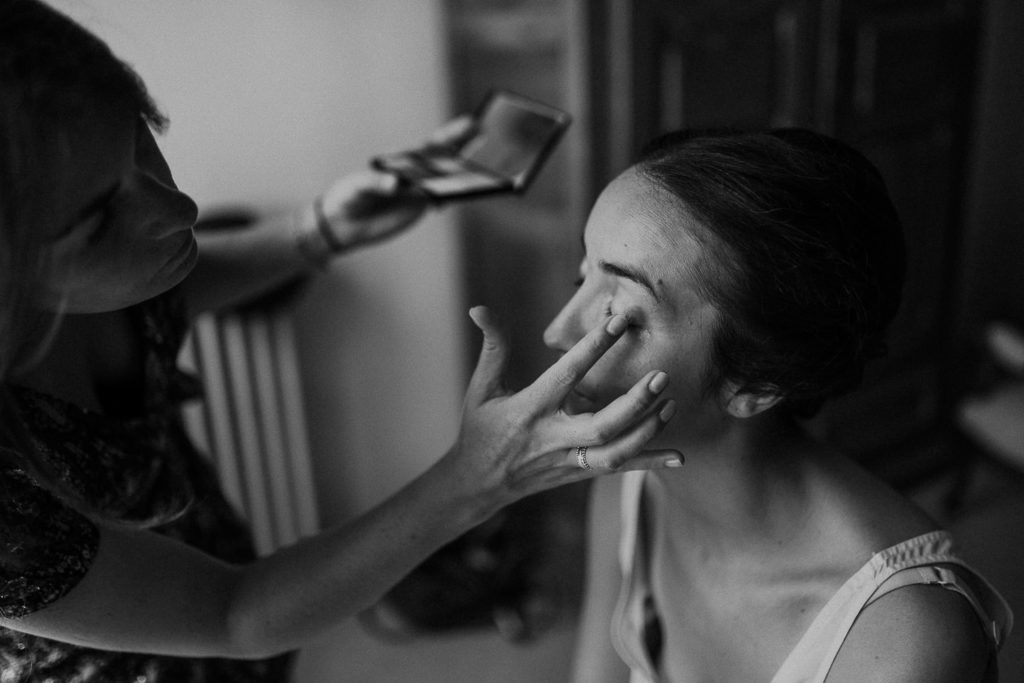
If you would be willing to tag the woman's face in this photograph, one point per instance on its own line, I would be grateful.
(123, 231)
(640, 254)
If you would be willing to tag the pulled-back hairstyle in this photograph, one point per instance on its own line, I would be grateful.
(53, 73)
(803, 256)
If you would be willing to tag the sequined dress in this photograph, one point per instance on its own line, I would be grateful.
(132, 469)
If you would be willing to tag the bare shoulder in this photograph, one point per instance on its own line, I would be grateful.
(914, 634)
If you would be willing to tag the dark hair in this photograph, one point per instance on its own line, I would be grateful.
(53, 73)
(803, 256)
(53, 67)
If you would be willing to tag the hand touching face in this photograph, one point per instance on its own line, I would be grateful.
(640, 262)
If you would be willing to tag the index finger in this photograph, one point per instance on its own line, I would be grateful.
(558, 380)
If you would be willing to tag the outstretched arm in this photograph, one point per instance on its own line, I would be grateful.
(357, 210)
(144, 592)
(236, 265)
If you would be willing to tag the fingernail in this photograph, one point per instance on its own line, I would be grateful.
(673, 462)
(658, 382)
(668, 411)
(617, 325)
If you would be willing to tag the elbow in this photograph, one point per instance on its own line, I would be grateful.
(249, 630)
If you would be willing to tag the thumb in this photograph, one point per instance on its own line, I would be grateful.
(490, 367)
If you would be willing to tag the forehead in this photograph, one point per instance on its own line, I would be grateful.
(638, 223)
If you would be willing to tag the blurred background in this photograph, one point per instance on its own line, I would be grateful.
(270, 101)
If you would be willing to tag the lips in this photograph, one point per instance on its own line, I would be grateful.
(180, 258)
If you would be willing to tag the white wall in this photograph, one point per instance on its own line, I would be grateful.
(268, 102)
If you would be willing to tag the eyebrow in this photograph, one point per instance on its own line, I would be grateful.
(633, 274)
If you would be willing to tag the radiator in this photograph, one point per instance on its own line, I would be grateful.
(252, 422)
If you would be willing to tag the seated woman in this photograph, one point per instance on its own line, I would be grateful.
(760, 270)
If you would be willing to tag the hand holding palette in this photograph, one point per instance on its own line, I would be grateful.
(510, 138)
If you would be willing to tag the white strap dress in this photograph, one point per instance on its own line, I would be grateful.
(927, 559)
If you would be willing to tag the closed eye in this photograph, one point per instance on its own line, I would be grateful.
(631, 323)
(92, 216)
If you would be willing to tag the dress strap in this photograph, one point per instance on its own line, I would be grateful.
(629, 623)
(632, 489)
(958, 577)
(927, 559)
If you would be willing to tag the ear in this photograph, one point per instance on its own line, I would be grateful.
(743, 404)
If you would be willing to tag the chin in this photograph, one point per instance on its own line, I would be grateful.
(178, 268)
(188, 264)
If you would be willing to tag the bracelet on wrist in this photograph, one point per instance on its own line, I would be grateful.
(324, 226)
(309, 240)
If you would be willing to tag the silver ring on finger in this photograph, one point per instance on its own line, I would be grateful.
(581, 458)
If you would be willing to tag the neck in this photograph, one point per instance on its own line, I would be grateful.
(87, 353)
(744, 482)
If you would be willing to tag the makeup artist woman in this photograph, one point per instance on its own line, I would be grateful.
(120, 560)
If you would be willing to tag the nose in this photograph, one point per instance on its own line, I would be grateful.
(170, 210)
(567, 327)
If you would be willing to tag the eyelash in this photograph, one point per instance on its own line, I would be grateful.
(630, 323)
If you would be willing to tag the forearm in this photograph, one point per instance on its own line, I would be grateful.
(300, 592)
(359, 209)
(237, 265)
(147, 593)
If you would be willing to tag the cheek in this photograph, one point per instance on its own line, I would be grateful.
(92, 290)
(617, 370)
(684, 359)
(105, 277)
